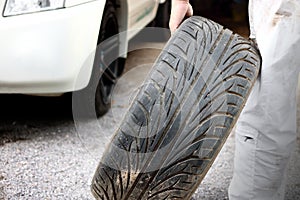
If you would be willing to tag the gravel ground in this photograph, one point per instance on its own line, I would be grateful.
(46, 154)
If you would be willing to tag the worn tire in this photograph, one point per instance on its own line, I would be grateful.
(181, 117)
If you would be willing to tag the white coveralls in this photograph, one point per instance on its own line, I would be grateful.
(266, 130)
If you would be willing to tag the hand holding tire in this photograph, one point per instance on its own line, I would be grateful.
(180, 9)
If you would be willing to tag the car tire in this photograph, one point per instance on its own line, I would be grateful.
(110, 69)
(181, 116)
(95, 100)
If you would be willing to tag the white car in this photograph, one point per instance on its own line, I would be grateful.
(44, 44)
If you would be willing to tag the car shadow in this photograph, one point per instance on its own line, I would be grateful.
(26, 117)
(23, 107)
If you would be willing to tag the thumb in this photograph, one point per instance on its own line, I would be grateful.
(190, 11)
(179, 10)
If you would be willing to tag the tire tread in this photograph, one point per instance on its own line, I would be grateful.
(181, 117)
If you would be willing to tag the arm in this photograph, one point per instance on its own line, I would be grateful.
(180, 9)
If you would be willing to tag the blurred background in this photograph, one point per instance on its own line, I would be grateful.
(232, 14)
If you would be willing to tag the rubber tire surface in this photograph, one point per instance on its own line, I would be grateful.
(181, 117)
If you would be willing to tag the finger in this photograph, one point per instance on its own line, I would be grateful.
(179, 11)
(190, 11)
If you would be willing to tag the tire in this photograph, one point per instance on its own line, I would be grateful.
(95, 100)
(181, 117)
(110, 71)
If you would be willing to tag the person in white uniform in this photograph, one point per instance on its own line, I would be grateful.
(266, 129)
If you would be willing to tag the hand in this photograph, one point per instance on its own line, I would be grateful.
(180, 9)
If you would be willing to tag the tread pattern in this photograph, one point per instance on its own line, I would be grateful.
(181, 117)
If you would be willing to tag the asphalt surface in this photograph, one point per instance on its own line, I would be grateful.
(47, 154)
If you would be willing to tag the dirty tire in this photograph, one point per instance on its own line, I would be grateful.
(181, 117)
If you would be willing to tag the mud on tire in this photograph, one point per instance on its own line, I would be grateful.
(181, 116)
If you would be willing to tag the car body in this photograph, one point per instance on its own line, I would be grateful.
(42, 51)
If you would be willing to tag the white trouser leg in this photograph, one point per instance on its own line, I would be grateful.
(266, 130)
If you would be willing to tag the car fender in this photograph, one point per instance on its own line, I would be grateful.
(70, 3)
(122, 15)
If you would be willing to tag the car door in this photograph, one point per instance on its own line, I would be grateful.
(141, 12)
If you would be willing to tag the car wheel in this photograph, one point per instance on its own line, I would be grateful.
(95, 99)
(181, 117)
(106, 60)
